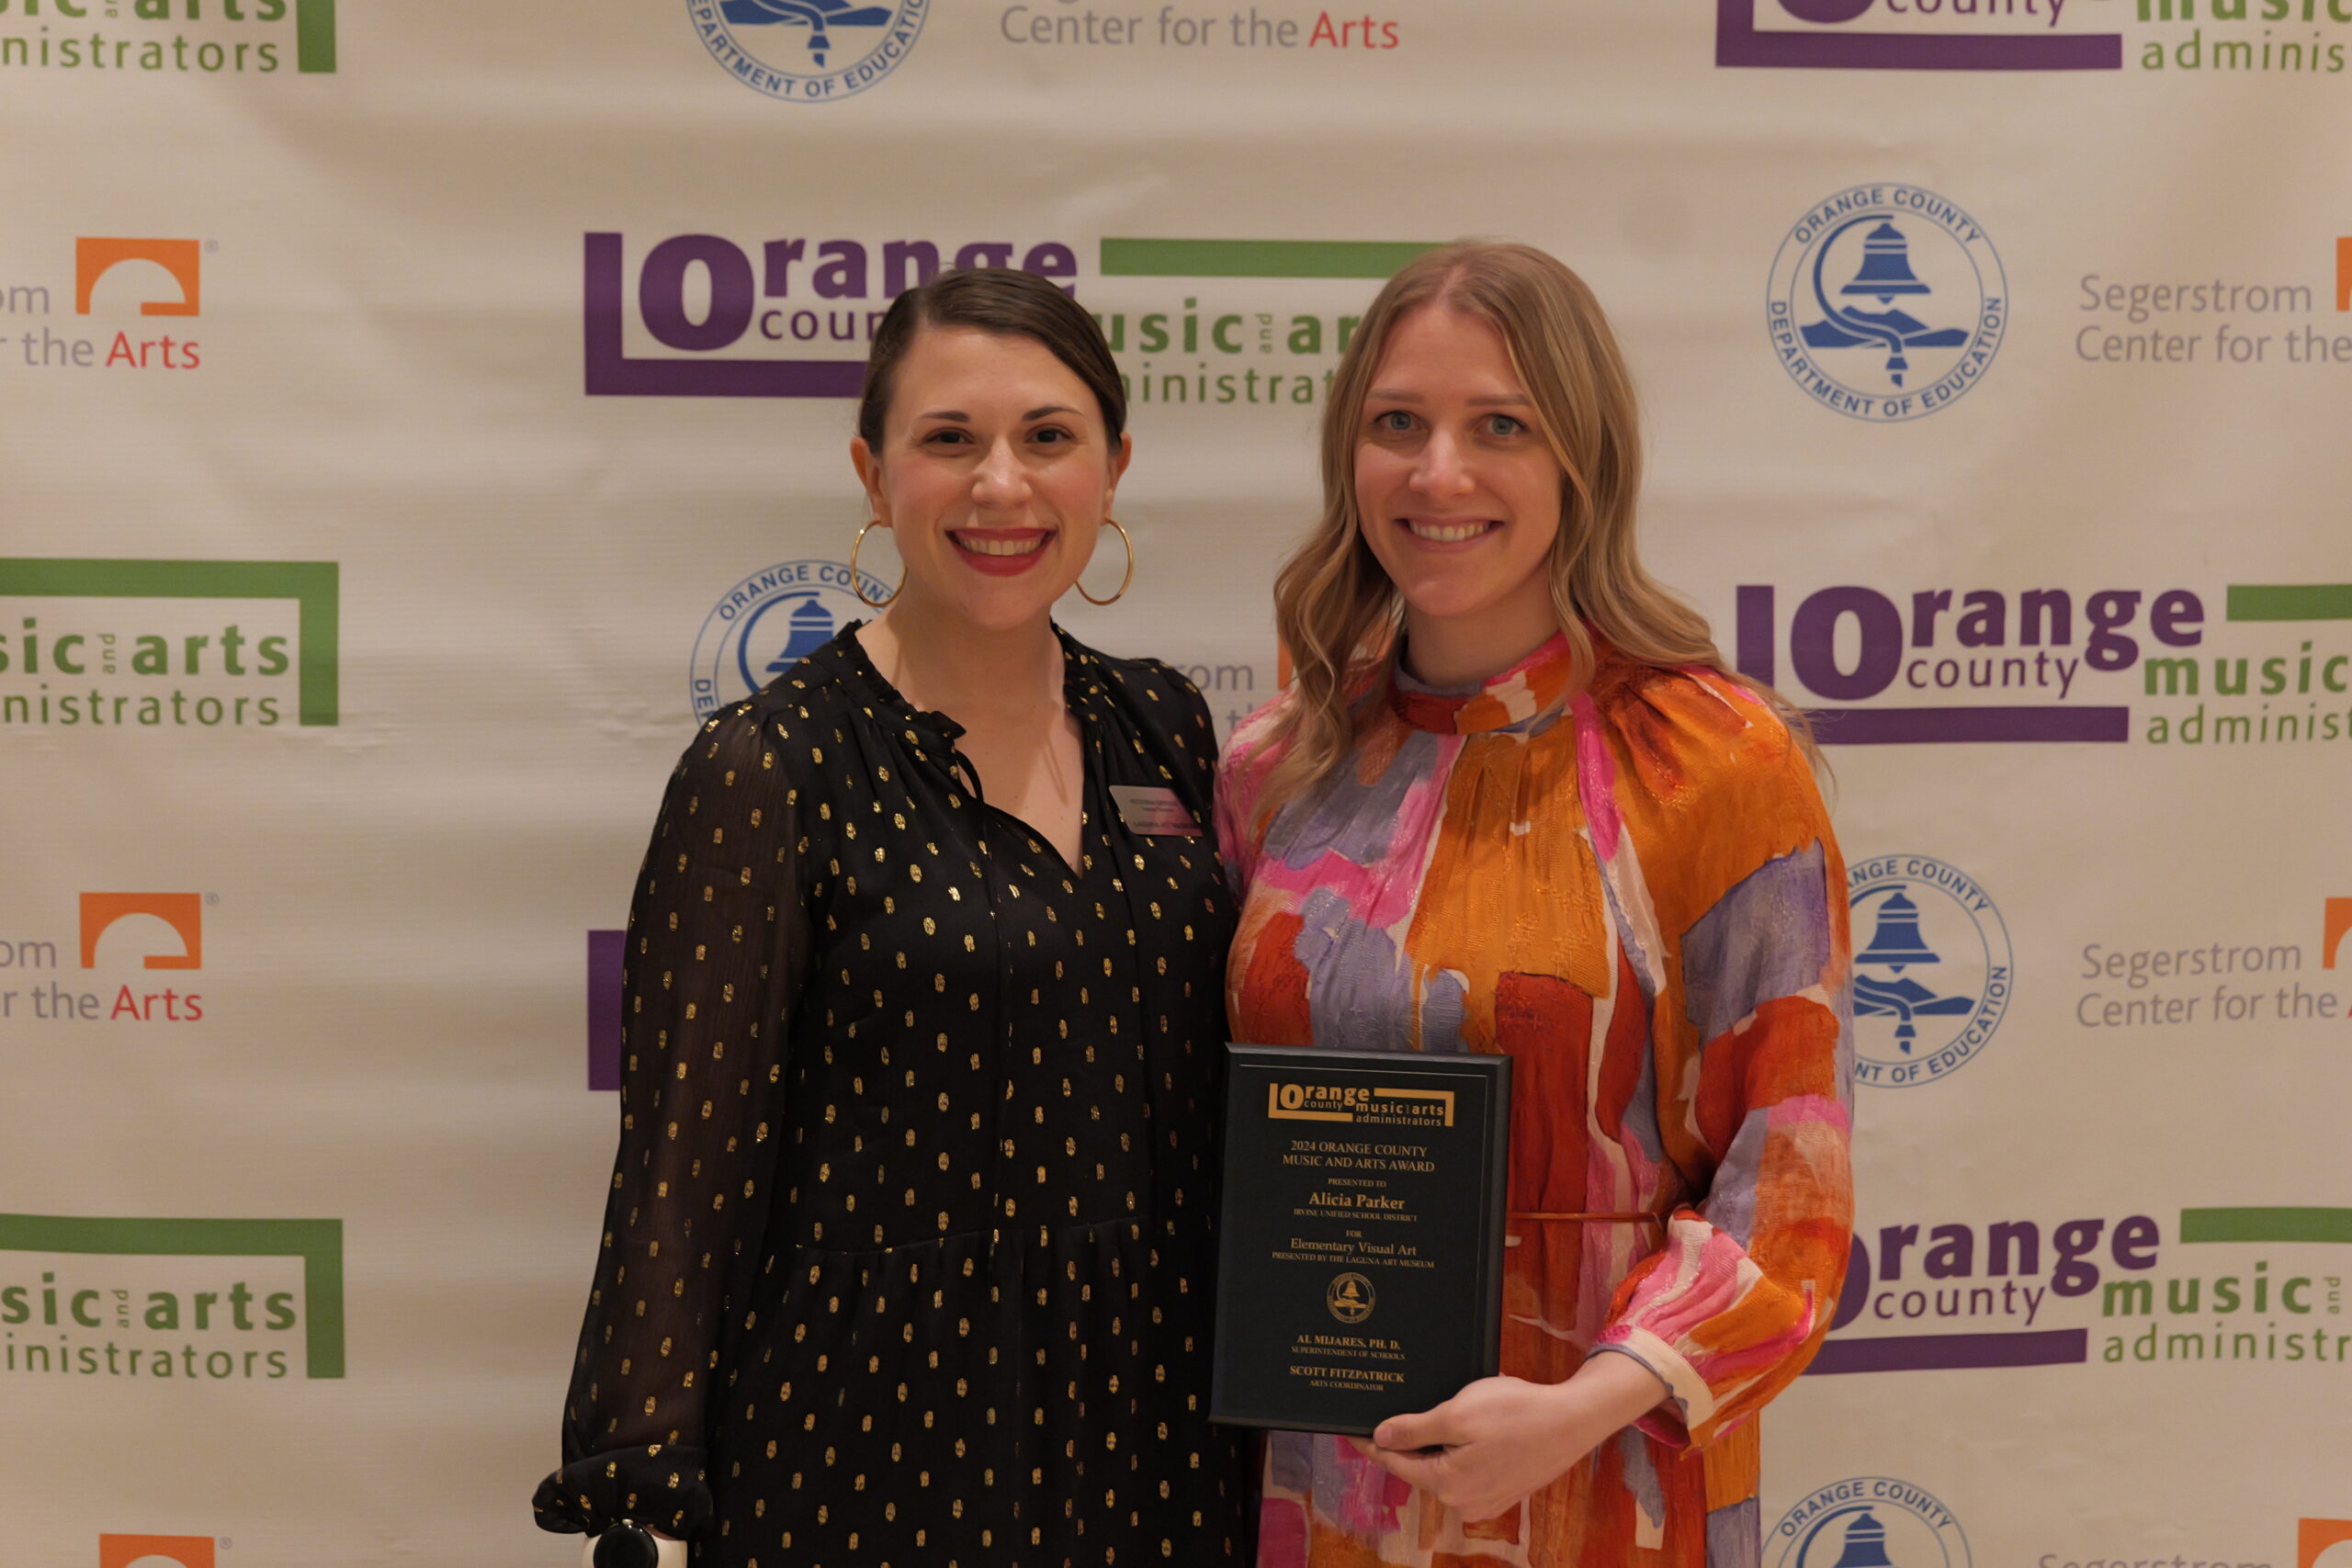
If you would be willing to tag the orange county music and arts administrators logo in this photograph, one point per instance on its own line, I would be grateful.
(149, 40)
(109, 644)
(141, 1299)
(1361, 1106)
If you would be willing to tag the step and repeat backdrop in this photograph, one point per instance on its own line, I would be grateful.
(417, 413)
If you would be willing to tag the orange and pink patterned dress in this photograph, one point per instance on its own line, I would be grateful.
(1631, 888)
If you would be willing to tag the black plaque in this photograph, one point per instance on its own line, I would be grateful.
(1360, 1249)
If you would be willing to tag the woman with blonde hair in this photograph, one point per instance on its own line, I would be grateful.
(1513, 802)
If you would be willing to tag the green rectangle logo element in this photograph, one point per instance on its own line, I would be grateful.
(314, 586)
(314, 36)
(2290, 602)
(2266, 1224)
(1257, 258)
(318, 1243)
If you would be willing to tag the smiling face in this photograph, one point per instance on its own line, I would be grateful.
(994, 475)
(1458, 493)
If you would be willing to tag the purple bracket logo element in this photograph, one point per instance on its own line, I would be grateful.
(1740, 42)
(700, 295)
(611, 371)
(605, 1010)
(1813, 646)
(1954, 1352)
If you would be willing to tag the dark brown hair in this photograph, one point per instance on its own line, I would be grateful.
(992, 299)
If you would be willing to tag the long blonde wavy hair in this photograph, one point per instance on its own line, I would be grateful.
(1338, 614)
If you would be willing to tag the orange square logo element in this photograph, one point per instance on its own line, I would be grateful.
(187, 1551)
(183, 259)
(2316, 1537)
(183, 912)
(2339, 926)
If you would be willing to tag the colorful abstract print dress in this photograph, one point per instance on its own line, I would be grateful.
(1633, 891)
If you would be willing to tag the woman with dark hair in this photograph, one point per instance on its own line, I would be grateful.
(1514, 802)
(905, 1260)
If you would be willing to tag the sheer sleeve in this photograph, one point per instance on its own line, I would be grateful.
(1744, 897)
(1736, 1302)
(1249, 756)
(718, 944)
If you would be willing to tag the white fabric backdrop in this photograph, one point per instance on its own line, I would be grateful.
(403, 782)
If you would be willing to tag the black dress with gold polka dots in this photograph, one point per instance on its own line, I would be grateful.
(907, 1256)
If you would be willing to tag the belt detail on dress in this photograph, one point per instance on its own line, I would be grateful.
(1579, 1217)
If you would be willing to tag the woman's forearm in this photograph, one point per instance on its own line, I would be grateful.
(1608, 1393)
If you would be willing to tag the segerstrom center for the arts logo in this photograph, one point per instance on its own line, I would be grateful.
(1934, 972)
(2319, 1544)
(1888, 302)
(809, 51)
(107, 645)
(2269, 38)
(157, 1551)
(1221, 323)
(148, 38)
(136, 303)
(1936, 664)
(120, 931)
(170, 1300)
(2323, 1543)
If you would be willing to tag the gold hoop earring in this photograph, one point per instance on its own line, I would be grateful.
(1130, 577)
(857, 585)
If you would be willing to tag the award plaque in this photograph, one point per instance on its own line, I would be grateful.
(1360, 1248)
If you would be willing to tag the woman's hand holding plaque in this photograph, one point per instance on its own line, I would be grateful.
(1484, 1450)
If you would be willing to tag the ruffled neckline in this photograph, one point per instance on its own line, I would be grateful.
(1081, 683)
(1535, 685)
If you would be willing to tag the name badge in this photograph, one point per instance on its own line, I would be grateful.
(1146, 810)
